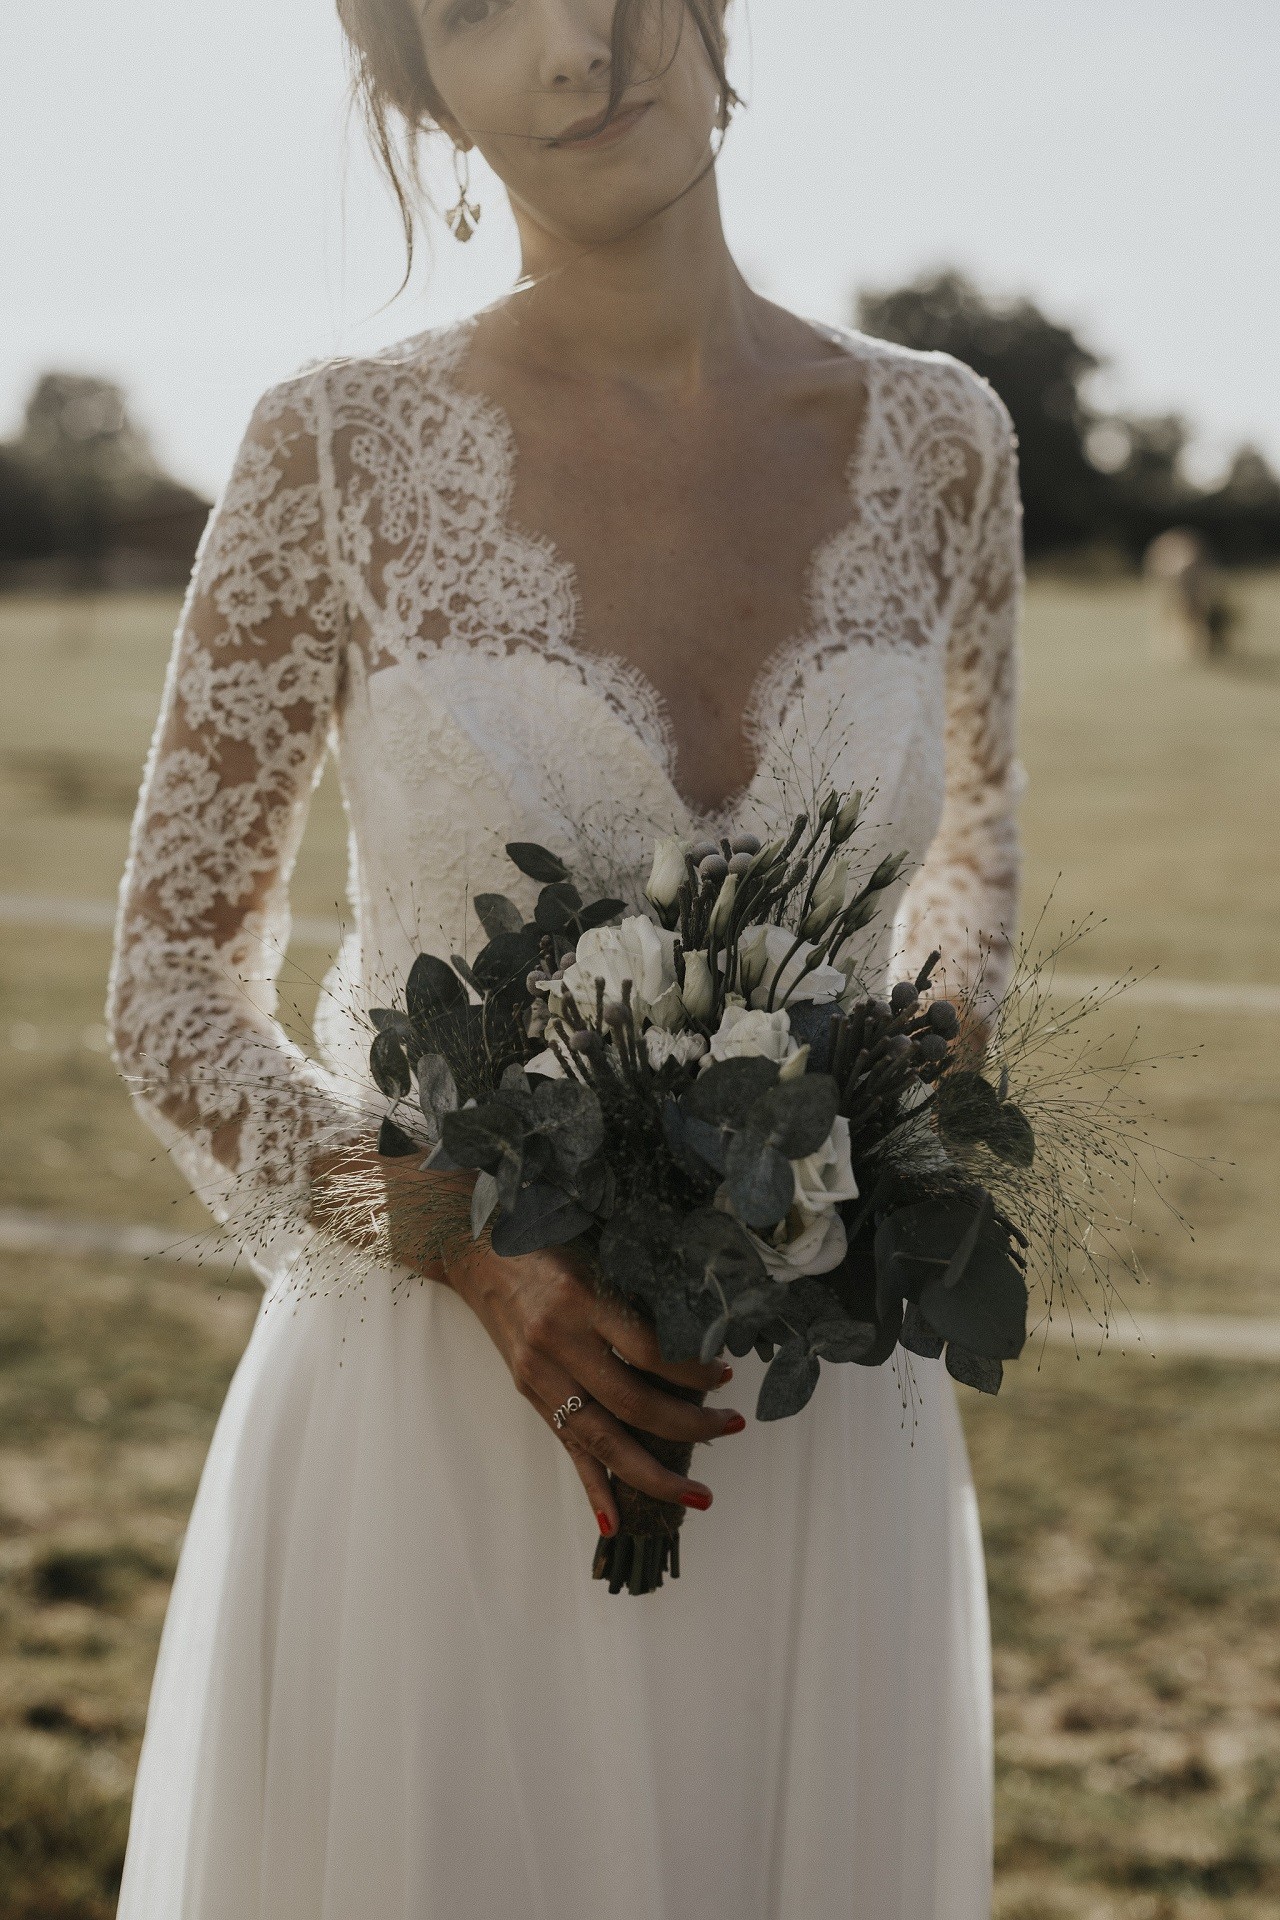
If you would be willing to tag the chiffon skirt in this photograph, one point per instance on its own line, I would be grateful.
(389, 1690)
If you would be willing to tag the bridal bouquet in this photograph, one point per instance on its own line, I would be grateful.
(756, 1152)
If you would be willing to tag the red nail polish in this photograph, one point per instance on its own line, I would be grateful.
(605, 1524)
(735, 1424)
(726, 1376)
(699, 1500)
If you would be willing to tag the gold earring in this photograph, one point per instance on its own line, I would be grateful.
(463, 218)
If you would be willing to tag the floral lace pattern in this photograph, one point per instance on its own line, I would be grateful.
(362, 587)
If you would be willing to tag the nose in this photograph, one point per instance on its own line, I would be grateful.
(577, 50)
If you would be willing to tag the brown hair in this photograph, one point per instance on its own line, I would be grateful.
(398, 101)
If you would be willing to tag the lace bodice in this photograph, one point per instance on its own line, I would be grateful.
(362, 589)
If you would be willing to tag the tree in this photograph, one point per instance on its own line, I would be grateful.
(82, 481)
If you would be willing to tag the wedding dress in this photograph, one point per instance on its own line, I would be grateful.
(388, 1688)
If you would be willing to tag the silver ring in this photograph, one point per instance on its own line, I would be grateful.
(561, 1415)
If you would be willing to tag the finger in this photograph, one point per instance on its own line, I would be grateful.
(637, 1403)
(595, 1481)
(595, 1431)
(637, 1342)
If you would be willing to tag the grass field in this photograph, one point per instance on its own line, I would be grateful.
(1132, 1530)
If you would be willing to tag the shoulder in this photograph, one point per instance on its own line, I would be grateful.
(922, 395)
(321, 390)
(945, 390)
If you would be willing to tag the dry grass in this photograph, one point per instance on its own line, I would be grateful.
(1132, 1536)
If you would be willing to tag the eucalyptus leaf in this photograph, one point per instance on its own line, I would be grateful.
(394, 1143)
(497, 914)
(557, 908)
(389, 1065)
(480, 1136)
(391, 1020)
(917, 1336)
(789, 1384)
(842, 1341)
(813, 1026)
(437, 1089)
(694, 1145)
(726, 1093)
(760, 1180)
(798, 1115)
(535, 861)
(599, 914)
(432, 988)
(569, 1116)
(716, 1255)
(974, 1369)
(502, 966)
(1013, 1137)
(484, 1198)
(987, 1308)
(542, 1216)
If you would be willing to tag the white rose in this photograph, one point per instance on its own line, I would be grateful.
(669, 871)
(662, 1046)
(636, 951)
(812, 1238)
(762, 960)
(745, 1034)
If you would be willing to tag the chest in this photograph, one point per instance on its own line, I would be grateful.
(690, 530)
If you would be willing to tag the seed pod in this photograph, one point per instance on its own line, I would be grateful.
(740, 863)
(931, 1047)
(745, 843)
(580, 1042)
(944, 1019)
(703, 849)
(713, 867)
(904, 998)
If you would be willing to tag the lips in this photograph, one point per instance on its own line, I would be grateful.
(589, 132)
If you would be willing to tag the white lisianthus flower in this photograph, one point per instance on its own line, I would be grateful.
(668, 1010)
(762, 960)
(698, 991)
(744, 1034)
(828, 899)
(812, 1238)
(637, 951)
(662, 1046)
(723, 908)
(547, 1065)
(669, 871)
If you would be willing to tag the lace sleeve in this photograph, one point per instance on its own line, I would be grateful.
(204, 913)
(964, 899)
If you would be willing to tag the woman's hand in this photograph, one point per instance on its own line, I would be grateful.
(560, 1340)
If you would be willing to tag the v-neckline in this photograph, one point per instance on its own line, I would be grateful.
(592, 662)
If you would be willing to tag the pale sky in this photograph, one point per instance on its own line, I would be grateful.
(185, 210)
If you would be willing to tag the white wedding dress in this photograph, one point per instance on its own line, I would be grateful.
(388, 1688)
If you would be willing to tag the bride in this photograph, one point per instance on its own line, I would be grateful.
(633, 551)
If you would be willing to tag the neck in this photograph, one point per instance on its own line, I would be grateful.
(664, 307)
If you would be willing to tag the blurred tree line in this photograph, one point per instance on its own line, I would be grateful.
(85, 503)
(83, 500)
(1089, 479)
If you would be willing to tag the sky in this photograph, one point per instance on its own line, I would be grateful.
(186, 207)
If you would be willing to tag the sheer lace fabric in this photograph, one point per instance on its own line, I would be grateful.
(362, 587)
(386, 1689)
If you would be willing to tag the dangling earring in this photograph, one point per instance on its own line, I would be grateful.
(463, 218)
